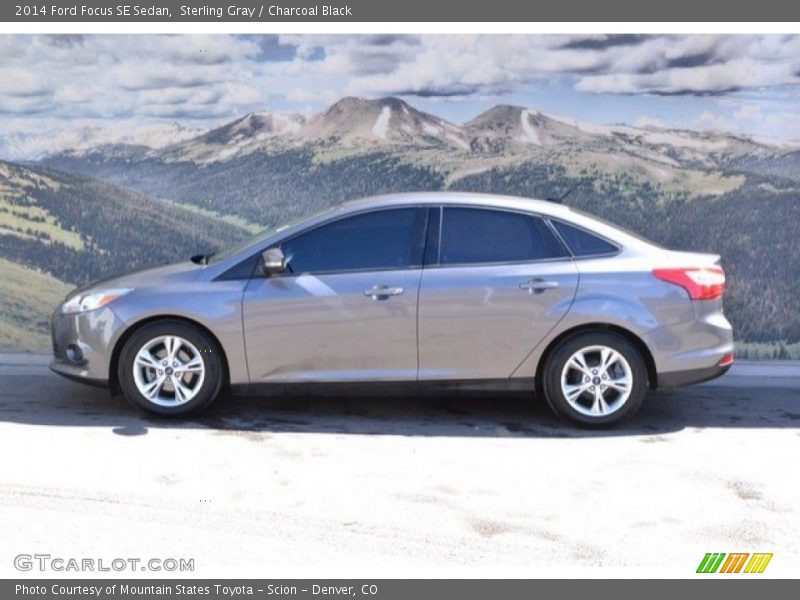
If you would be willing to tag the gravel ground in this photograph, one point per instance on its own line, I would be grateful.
(460, 485)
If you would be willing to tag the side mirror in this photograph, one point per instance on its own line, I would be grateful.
(273, 261)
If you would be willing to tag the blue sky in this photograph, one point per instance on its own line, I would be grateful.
(744, 84)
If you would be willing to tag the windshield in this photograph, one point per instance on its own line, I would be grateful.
(261, 236)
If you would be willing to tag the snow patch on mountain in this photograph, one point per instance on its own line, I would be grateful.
(456, 140)
(431, 129)
(529, 132)
(381, 125)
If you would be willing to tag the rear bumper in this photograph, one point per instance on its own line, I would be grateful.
(691, 352)
(679, 378)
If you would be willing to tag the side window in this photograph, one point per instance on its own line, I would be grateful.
(581, 242)
(383, 239)
(479, 235)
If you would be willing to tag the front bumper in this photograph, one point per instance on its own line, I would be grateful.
(83, 344)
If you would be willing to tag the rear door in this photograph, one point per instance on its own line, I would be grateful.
(494, 284)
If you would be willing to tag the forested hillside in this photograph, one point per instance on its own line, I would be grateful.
(58, 231)
(712, 192)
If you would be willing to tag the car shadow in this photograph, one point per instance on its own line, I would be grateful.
(50, 401)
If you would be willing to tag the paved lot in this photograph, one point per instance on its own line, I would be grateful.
(460, 485)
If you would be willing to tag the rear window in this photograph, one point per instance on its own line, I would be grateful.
(478, 235)
(581, 242)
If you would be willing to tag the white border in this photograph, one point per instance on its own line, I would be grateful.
(777, 569)
(118, 27)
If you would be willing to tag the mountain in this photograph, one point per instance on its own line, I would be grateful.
(349, 123)
(505, 125)
(354, 121)
(32, 146)
(261, 149)
(516, 128)
(358, 124)
(704, 191)
(251, 133)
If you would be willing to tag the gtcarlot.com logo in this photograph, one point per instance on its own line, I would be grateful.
(735, 562)
(46, 562)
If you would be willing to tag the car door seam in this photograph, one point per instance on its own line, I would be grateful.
(244, 334)
(549, 331)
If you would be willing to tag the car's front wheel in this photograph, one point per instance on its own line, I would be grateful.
(595, 379)
(170, 368)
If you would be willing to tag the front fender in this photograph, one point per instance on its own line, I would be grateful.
(219, 310)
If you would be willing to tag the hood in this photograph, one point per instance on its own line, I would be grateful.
(150, 277)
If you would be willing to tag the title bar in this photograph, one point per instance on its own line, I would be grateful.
(465, 11)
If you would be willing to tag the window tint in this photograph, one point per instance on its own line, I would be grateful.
(581, 242)
(385, 239)
(477, 235)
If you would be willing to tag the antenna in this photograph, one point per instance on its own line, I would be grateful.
(560, 199)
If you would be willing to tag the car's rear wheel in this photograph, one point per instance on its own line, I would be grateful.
(595, 379)
(170, 368)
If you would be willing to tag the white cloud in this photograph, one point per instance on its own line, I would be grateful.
(705, 79)
(469, 64)
(23, 83)
(645, 121)
(748, 112)
(72, 77)
(305, 95)
(202, 77)
(711, 122)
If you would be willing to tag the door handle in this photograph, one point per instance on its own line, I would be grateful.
(538, 285)
(383, 292)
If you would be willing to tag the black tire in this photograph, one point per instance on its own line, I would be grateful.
(551, 379)
(209, 353)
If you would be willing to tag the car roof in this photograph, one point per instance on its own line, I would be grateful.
(544, 207)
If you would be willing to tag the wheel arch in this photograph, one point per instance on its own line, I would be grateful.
(113, 379)
(647, 356)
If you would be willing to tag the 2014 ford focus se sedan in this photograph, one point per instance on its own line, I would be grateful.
(465, 289)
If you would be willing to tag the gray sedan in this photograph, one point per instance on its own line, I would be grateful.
(440, 289)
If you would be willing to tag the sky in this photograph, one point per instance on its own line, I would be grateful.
(743, 84)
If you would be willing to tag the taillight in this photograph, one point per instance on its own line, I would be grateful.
(702, 283)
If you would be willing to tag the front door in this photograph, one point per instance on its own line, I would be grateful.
(346, 308)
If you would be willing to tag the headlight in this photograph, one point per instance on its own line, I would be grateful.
(92, 300)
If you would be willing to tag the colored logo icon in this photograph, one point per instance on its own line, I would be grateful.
(735, 562)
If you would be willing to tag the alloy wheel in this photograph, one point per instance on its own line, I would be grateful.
(168, 370)
(596, 381)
